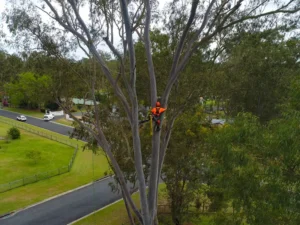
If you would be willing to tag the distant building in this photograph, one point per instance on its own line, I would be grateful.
(81, 101)
(217, 122)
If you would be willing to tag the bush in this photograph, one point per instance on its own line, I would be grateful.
(14, 133)
(53, 106)
(73, 109)
(43, 110)
(165, 219)
(34, 155)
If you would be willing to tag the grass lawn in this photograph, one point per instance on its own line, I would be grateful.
(34, 113)
(15, 165)
(85, 168)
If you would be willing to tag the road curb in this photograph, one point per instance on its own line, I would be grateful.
(61, 124)
(6, 214)
(37, 118)
(51, 198)
(22, 114)
(98, 210)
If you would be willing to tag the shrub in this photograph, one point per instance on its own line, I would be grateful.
(14, 133)
(53, 106)
(73, 109)
(198, 203)
(34, 155)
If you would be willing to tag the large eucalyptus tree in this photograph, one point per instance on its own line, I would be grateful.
(89, 24)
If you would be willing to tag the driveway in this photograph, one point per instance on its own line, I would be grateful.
(61, 129)
(67, 208)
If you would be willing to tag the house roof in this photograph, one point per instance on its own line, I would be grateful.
(81, 101)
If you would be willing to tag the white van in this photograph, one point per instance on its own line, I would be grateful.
(47, 118)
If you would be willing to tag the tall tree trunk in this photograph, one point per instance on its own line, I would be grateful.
(128, 209)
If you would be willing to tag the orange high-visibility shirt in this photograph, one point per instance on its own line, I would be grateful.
(156, 111)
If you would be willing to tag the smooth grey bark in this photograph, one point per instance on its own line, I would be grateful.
(154, 175)
(101, 140)
(100, 136)
(180, 60)
(135, 120)
(128, 209)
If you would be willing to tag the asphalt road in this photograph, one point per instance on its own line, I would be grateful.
(61, 129)
(67, 208)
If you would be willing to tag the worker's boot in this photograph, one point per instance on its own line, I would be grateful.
(158, 125)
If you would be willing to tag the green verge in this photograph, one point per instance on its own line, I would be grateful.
(116, 214)
(34, 113)
(64, 122)
(86, 168)
(112, 215)
(15, 165)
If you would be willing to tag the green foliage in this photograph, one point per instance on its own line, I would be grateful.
(53, 106)
(184, 171)
(257, 166)
(102, 97)
(14, 133)
(161, 52)
(10, 65)
(34, 155)
(29, 89)
(294, 94)
(65, 73)
(255, 74)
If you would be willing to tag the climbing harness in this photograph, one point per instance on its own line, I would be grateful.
(155, 115)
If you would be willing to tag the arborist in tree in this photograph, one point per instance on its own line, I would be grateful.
(155, 114)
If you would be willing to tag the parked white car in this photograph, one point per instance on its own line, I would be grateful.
(48, 117)
(21, 118)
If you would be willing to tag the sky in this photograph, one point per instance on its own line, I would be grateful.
(79, 53)
(3, 26)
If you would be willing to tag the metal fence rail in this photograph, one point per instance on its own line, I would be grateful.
(40, 133)
(32, 179)
(42, 175)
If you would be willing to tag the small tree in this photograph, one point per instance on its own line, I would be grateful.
(34, 155)
(14, 133)
(184, 171)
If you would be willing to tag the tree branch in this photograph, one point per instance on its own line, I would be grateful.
(205, 39)
(82, 48)
(172, 76)
(134, 27)
(69, 28)
(134, 124)
(152, 195)
(80, 20)
(129, 39)
(261, 15)
(101, 140)
(45, 12)
(100, 137)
